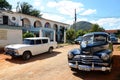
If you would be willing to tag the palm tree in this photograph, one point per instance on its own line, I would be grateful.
(4, 5)
(25, 8)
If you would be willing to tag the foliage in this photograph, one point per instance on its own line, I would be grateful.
(4, 5)
(26, 8)
(96, 28)
(70, 35)
(35, 13)
(28, 34)
(118, 48)
(80, 33)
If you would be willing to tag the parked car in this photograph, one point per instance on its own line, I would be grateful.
(31, 46)
(95, 53)
(78, 40)
(113, 38)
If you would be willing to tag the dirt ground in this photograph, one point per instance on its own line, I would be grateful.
(52, 67)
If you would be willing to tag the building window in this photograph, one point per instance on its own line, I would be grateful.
(13, 18)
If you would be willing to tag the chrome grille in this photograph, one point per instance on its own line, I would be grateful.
(85, 59)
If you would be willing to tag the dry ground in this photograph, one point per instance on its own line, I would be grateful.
(52, 67)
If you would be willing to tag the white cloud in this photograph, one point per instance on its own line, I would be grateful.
(82, 19)
(53, 17)
(37, 3)
(66, 7)
(108, 23)
(88, 12)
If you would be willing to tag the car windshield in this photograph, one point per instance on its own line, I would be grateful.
(27, 41)
(88, 38)
(95, 38)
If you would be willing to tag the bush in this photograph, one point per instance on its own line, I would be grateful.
(28, 34)
(70, 35)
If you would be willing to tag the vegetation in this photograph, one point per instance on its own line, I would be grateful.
(26, 8)
(96, 28)
(4, 5)
(80, 33)
(28, 34)
(118, 48)
(70, 35)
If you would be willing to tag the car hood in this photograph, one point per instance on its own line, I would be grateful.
(16, 46)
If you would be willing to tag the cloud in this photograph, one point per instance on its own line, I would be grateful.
(66, 7)
(88, 12)
(37, 3)
(108, 23)
(53, 17)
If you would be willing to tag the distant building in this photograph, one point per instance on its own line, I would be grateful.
(34, 24)
(111, 31)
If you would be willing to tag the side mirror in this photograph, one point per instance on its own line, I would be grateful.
(79, 42)
(109, 42)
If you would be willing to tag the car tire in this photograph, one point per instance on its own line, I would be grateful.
(50, 50)
(109, 71)
(26, 55)
(74, 69)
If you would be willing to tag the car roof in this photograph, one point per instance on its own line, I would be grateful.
(96, 33)
(36, 38)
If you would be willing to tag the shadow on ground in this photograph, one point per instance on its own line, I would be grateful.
(19, 60)
(99, 75)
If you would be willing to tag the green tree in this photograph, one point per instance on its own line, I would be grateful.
(26, 8)
(96, 28)
(28, 34)
(80, 33)
(70, 35)
(4, 5)
(35, 13)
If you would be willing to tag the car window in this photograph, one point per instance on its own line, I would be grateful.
(38, 41)
(27, 41)
(44, 41)
(100, 38)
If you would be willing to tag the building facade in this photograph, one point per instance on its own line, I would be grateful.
(34, 24)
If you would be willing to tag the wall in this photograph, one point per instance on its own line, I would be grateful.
(9, 36)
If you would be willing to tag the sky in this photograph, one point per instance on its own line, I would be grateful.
(106, 13)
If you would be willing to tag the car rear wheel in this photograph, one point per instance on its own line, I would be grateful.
(50, 50)
(26, 55)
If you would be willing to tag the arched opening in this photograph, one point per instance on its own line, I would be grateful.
(62, 33)
(37, 24)
(26, 22)
(55, 27)
(47, 25)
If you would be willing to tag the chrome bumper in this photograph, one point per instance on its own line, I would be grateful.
(89, 68)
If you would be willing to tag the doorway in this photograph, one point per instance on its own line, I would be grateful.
(5, 20)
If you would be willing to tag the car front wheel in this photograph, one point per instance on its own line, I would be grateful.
(26, 55)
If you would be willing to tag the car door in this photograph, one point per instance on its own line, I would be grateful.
(45, 45)
(38, 47)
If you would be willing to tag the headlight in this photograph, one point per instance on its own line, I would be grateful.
(70, 55)
(16, 51)
(105, 56)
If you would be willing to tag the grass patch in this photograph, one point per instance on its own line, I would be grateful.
(63, 44)
(118, 48)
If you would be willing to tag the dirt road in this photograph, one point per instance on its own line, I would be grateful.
(51, 67)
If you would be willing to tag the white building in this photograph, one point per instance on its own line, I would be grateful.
(34, 24)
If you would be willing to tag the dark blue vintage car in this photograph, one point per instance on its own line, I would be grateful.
(95, 53)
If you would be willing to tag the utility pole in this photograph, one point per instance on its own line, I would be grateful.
(75, 19)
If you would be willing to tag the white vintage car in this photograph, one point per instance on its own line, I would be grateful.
(30, 47)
